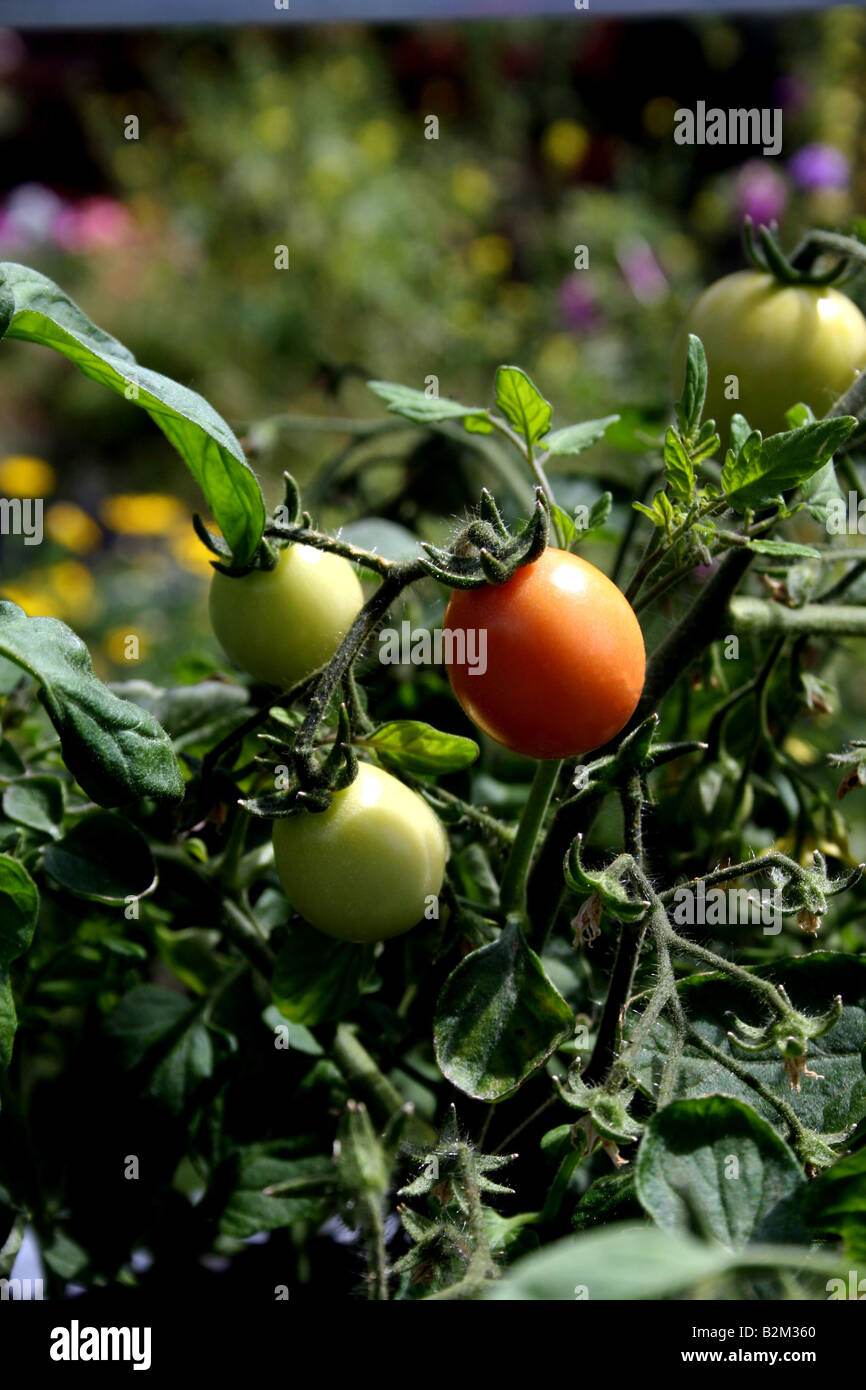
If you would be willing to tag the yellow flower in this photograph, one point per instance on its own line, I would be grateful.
(142, 513)
(490, 255)
(36, 602)
(189, 552)
(72, 582)
(123, 646)
(69, 525)
(24, 476)
(565, 143)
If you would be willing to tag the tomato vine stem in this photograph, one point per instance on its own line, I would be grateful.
(513, 890)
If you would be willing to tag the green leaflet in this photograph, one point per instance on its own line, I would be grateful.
(714, 1161)
(114, 749)
(36, 310)
(498, 1018)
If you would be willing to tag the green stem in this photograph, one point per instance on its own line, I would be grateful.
(374, 610)
(243, 933)
(742, 1073)
(320, 540)
(757, 616)
(385, 1101)
(744, 870)
(438, 796)
(763, 989)
(515, 879)
(226, 868)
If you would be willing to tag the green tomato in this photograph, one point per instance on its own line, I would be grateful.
(368, 867)
(782, 343)
(281, 624)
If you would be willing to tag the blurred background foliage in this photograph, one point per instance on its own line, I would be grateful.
(409, 258)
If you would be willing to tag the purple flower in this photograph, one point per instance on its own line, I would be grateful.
(819, 166)
(759, 193)
(30, 211)
(641, 271)
(578, 306)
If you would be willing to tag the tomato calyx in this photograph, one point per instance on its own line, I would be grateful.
(485, 551)
(265, 557)
(763, 251)
(314, 783)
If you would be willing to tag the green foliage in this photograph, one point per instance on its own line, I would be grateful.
(114, 749)
(714, 1164)
(498, 1018)
(542, 1014)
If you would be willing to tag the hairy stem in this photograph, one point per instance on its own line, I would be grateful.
(513, 889)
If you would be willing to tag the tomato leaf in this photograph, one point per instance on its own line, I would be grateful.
(836, 1200)
(498, 1018)
(115, 750)
(690, 406)
(575, 438)
(784, 549)
(715, 1158)
(679, 471)
(36, 802)
(759, 473)
(189, 713)
(19, 909)
(102, 858)
(564, 524)
(418, 406)
(317, 978)
(828, 1105)
(822, 491)
(631, 1260)
(163, 1038)
(419, 748)
(302, 1182)
(38, 311)
(522, 404)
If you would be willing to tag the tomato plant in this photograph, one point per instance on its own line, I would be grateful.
(564, 657)
(338, 965)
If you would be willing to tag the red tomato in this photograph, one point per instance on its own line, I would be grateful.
(565, 657)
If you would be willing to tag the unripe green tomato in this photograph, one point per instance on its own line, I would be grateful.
(783, 343)
(279, 625)
(366, 868)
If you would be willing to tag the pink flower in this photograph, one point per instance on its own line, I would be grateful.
(641, 271)
(759, 193)
(93, 224)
